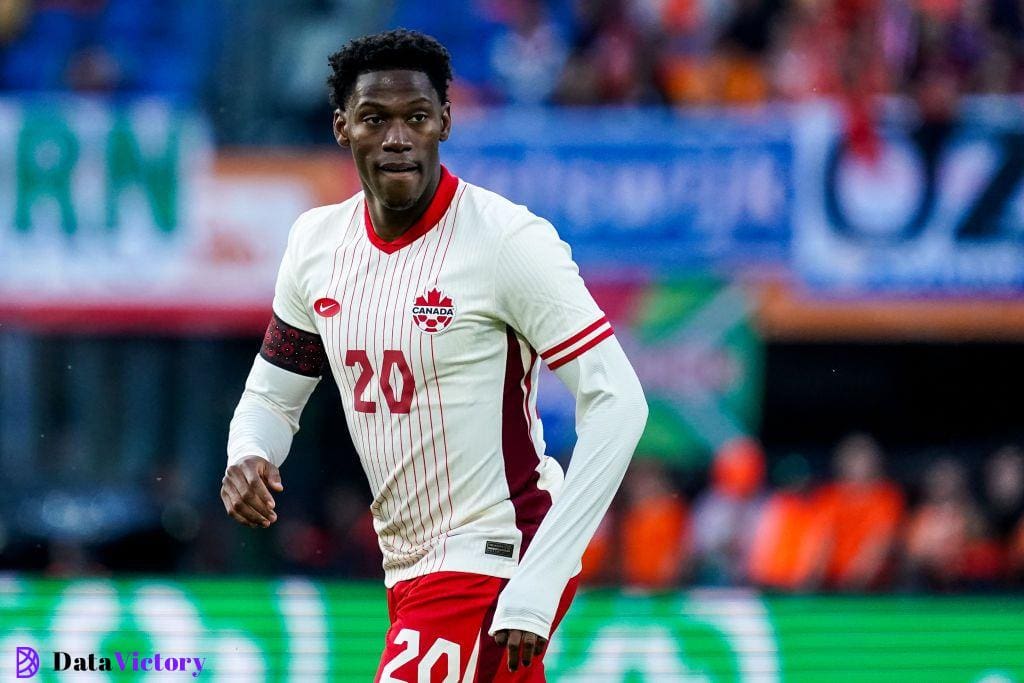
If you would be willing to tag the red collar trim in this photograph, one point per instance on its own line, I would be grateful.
(435, 211)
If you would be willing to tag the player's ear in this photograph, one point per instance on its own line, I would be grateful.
(340, 128)
(446, 120)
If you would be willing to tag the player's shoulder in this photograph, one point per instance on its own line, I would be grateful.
(311, 224)
(496, 214)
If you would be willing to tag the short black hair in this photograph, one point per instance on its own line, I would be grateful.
(398, 49)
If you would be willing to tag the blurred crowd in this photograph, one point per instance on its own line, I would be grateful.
(257, 67)
(726, 51)
(858, 530)
(268, 59)
(750, 524)
(108, 47)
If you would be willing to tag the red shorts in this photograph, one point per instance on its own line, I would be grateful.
(439, 628)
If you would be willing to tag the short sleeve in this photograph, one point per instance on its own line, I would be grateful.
(539, 292)
(289, 304)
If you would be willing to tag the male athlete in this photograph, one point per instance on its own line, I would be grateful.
(431, 301)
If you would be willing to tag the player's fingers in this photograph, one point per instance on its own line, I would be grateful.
(501, 637)
(230, 507)
(272, 476)
(541, 645)
(227, 496)
(257, 495)
(529, 643)
(240, 509)
(514, 639)
(226, 500)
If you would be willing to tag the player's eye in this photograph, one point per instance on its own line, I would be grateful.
(418, 118)
(373, 120)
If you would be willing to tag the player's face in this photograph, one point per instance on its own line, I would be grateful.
(394, 123)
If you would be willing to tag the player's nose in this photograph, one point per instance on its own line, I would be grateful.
(397, 138)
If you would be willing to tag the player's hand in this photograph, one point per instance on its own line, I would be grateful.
(245, 491)
(522, 646)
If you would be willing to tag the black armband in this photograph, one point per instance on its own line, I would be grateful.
(293, 349)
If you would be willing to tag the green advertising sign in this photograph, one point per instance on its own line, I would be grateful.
(83, 166)
(117, 207)
(701, 363)
(694, 347)
(305, 631)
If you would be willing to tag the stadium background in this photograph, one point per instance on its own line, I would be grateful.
(805, 217)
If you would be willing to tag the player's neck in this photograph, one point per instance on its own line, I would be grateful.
(389, 224)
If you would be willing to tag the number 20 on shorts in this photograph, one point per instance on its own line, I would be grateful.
(441, 648)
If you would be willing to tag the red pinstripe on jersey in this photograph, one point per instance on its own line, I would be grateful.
(384, 437)
(423, 374)
(414, 283)
(440, 401)
(401, 295)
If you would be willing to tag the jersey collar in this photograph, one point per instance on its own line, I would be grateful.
(438, 206)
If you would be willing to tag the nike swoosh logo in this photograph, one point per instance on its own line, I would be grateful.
(326, 307)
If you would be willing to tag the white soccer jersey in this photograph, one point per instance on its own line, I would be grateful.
(434, 341)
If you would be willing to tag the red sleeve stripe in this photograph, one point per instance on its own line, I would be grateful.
(577, 351)
(558, 348)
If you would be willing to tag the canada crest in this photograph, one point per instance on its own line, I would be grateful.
(433, 311)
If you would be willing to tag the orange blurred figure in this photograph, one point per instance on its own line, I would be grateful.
(787, 539)
(655, 528)
(597, 558)
(859, 516)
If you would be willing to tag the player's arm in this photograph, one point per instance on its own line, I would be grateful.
(545, 299)
(610, 416)
(282, 378)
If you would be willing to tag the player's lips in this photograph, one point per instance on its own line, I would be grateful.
(399, 168)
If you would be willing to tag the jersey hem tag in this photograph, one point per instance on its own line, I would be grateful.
(499, 549)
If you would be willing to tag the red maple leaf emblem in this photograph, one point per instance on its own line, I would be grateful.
(434, 298)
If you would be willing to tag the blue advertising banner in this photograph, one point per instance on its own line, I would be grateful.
(936, 209)
(644, 186)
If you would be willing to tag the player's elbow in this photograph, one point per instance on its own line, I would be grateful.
(635, 410)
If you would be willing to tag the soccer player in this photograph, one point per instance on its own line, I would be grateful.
(432, 302)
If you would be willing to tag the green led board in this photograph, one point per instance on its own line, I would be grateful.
(298, 630)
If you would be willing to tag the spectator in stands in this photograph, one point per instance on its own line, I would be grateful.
(655, 533)
(943, 531)
(724, 514)
(600, 560)
(1004, 492)
(611, 57)
(859, 515)
(989, 554)
(786, 537)
(528, 53)
(741, 50)
(644, 539)
(114, 46)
